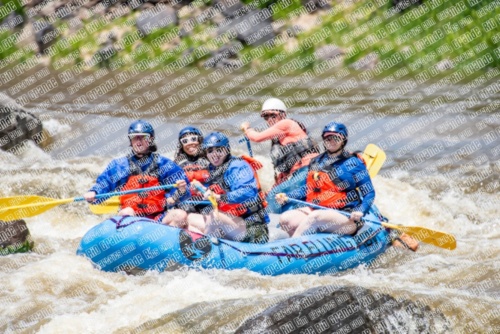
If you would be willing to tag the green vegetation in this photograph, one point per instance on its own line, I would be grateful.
(17, 248)
(435, 36)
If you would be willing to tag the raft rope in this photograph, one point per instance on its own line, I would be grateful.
(119, 222)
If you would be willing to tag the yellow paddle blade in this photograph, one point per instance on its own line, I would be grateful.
(426, 235)
(213, 201)
(21, 200)
(30, 209)
(374, 157)
(109, 206)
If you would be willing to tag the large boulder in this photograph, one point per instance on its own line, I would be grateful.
(14, 237)
(332, 309)
(17, 125)
(43, 34)
(156, 17)
(252, 27)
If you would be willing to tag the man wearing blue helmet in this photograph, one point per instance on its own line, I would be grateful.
(234, 185)
(142, 168)
(336, 179)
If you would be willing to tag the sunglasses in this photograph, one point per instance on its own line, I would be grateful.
(189, 140)
(139, 136)
(336, 138)
(267, 116)
(217, 150)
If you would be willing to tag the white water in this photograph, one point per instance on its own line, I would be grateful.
(51, 290)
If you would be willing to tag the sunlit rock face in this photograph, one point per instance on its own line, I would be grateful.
(14, 237)
(17, 125)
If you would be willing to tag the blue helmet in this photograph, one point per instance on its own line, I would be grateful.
(216, 139)
(141, 126)
(190, 129)
(337, 128)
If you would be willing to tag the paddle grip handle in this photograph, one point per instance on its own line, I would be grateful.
(249, 146)
(132, 191)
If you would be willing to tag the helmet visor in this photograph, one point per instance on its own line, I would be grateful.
(139, 135)
(329, 136)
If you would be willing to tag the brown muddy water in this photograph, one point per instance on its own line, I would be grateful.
(442, 172)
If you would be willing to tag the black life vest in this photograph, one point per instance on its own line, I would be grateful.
(284, 157)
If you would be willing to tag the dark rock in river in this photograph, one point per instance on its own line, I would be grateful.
(333, 309)
(17, 125)
(156, 17)
(14, 237)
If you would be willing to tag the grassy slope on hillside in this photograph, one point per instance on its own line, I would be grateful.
(420, 37)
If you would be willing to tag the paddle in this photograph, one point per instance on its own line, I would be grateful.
(426, 235)
(111, 206)
(211, 198)
(374, 158)
(249, 146)
(35, 205)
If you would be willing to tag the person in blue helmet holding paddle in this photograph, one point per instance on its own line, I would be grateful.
(336, 179)
(143, 168)
(238, 211)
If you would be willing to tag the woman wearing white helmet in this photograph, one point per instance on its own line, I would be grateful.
(291, 147)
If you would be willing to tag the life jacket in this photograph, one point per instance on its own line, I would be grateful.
(195, 169)
(147, 203)
(284, 157)
(324, 186)
(219, 185)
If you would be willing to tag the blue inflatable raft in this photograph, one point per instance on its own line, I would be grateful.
(134, 245)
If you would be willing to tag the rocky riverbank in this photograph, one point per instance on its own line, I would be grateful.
(378, 36)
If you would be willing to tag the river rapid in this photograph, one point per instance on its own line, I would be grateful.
(442, 172)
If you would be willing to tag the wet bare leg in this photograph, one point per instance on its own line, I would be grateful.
(326, 221)
(175, 218)
(290, 220)
(196, 223)
(223, 226)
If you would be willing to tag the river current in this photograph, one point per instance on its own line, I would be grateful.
(442, 171)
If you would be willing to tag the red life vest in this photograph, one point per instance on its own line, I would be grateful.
(324, 188)
(219, 186)
(195, 169)
(148, 203)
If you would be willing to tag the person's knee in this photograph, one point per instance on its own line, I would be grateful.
(176, 218)
(287, 217)
(285, 223)
(126, 212)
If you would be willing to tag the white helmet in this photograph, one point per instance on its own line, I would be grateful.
(273, 104)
